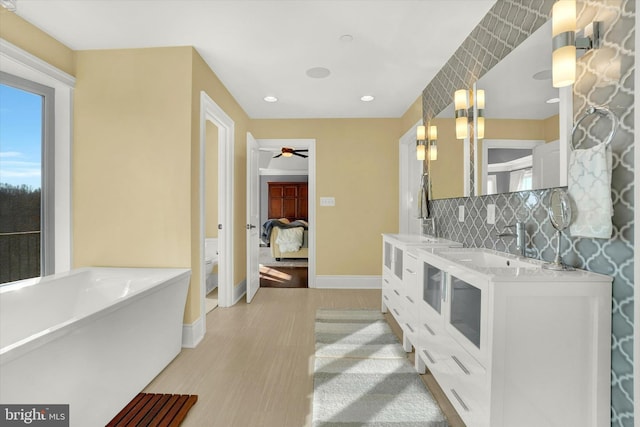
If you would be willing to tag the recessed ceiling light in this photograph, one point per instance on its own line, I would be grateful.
(271, 99)
(346, 38)
(542, 75)
(367, 98)
(553, 100)
(318, 72)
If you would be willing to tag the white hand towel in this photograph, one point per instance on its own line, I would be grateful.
(589, 183)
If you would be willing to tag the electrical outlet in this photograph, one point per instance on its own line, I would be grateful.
(461, 213)
(491, 214)
(327, 201)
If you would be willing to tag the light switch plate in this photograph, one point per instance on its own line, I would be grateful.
(491, 214)
(461, 213)
(327, 201)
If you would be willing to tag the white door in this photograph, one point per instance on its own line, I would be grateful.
(546, 165)
(253, 218)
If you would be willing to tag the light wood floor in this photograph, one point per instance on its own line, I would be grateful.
(254, 366)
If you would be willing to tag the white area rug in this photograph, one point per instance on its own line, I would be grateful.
(355, 333)
(362, 376)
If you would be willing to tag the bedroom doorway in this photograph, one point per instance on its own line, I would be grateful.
(287, 184)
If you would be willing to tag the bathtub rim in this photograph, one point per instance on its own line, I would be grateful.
(35, 341)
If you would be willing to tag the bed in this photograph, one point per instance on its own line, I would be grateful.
(287, 239)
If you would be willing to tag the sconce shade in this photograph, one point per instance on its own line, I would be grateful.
(461, 128)
(480, 124)
(461, 103)
(480, 99)
(563, 28)
(433, 151)
(460, 99)
(421, 133)
(433, 132)
(420, 151)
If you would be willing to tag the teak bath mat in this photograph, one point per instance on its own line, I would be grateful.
(150, 409)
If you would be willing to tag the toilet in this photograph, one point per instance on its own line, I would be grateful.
(210, 262)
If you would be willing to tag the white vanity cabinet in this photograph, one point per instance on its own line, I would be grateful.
(514, 344)
(399, 280)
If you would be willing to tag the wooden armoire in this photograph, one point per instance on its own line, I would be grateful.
(288, 200)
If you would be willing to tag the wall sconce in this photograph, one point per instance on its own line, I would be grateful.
(421, 143)
(463, 104)
(433, 139)
(565, 43)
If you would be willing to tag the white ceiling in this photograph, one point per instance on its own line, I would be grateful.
(264, 47)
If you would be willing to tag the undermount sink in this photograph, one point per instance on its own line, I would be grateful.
(477, 258)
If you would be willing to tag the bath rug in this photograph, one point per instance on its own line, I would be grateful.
(356, 334)
(372, 392)
(151, 409)
(362, 376)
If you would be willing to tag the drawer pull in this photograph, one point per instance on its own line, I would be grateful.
(397, 293)
(461, 365)
(396, 311)
(386, 281)
(426, 353)
(410, 271)
(410, 300)
(430, 330)
(409, 326)
(386, 297)
(459, 399)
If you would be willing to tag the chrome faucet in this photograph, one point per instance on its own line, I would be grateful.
(520, 235)
(433, 225)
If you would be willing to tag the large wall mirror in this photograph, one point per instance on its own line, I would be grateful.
(524, 147)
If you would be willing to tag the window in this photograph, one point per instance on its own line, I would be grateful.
(521, 180)
(26, 178)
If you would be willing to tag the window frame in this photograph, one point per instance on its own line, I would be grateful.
(47, 178)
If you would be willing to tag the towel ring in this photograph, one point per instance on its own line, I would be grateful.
(603, 111)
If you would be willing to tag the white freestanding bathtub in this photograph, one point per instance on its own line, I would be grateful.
(92, 338)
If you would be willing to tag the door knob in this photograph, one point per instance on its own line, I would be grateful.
(250, 226)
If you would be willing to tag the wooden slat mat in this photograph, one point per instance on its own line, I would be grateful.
(157, 410)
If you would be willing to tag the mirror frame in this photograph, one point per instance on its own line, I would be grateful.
(489, 42)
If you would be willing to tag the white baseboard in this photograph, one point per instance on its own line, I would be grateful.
(349, 282)
(194, 333)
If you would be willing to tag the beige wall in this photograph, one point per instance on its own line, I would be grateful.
(552, 128)
(357, 163)
(19, 32)
(131, 158)
(447, 172)
(411, 116)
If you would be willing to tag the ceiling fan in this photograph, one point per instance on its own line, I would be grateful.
(288, 152)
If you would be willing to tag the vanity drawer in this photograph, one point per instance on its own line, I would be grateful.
(391, 299)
